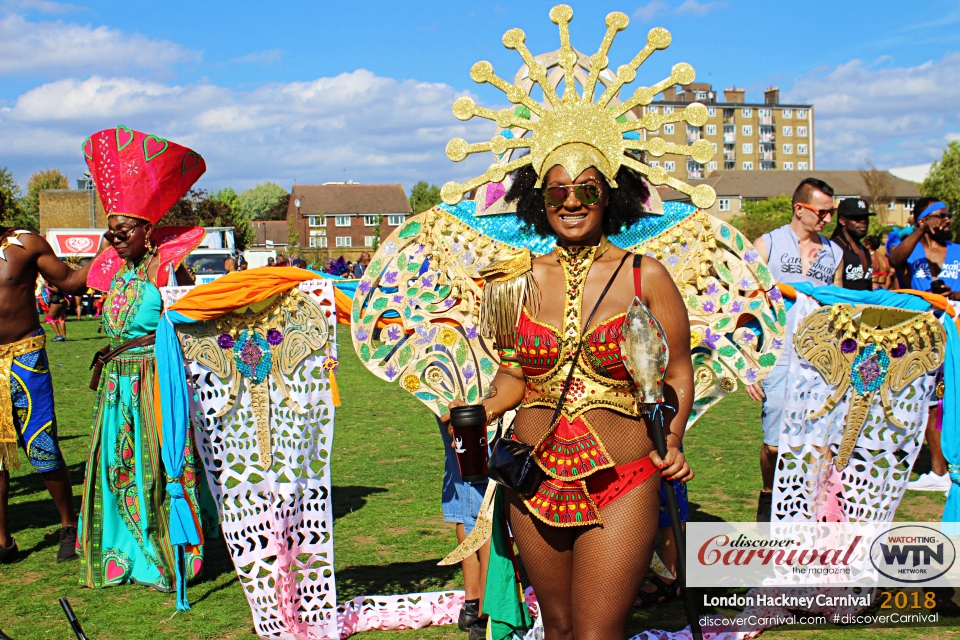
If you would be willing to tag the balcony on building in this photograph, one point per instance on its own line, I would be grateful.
(767, 166)
(767, 155)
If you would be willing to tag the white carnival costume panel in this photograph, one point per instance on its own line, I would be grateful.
(263, 415)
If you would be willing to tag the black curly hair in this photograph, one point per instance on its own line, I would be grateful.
(623, 210)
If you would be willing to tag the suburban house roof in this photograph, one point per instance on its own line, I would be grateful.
(348, 199)
(770, 184)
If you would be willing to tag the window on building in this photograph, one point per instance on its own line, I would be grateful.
(801, 113)
(668, 129)
(788, 166)
(764, 113)
(724, 204)
(344, 241)
(748, 147)
(369, 221)
(788, 131)
(670, 165)
(746, 130)
(653, 109)
(746, 112)
(803, 166)
(892, 205)
(667, 111)
(788, 149)
(395, 220)
(341, 221)
(714, 147)
(711, 166)
(654, 163)
(802, 132)
(711, 129)
(909, 204)
(317, 221)
(748, 166)
(787, 114)
(318, 242)
(701, 95)
(801, 149)
(369, 240)
(712, 112)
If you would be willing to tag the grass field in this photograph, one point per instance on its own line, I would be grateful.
(388, 532)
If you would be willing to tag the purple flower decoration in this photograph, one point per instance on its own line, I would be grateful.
(397, 299)
(469, 372)
(775, 294)
(390, 247)
(390, 277)
(468, 258)
(751, 256)
(849, 345)
(746, 283)
(711, 339)
(712, 289)
(225, 340)
(362, 334)
(747, 337)
(777, 343)
(391, 371)
(419, 250)
(672, 259)
(751, 375)
(364, 287)
(899, 351)
(737, 307)
(427, 281)
(471, 333)
(425, 337)
(393, 333)
(274, 337)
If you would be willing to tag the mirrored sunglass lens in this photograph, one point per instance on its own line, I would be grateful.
(587, 194)
(555, 196)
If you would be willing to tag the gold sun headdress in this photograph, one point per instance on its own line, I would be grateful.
(573, 131)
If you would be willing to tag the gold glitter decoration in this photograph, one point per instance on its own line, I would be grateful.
(8, 431)
(696, 337)
(819, 338)
(411, 383)
(448, 337)
(573, 131)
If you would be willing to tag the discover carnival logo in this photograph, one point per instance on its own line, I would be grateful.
(743, 549)
(913, 553)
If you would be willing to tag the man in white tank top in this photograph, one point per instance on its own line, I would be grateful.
(796, 252)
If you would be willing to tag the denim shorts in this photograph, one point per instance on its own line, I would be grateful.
(460, 500)
(771, 417)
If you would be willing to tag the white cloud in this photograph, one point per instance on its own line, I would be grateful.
(265, 58)
(58, 48)
(647, 12)
(378, 129)
(41, 6)
(694, 8)
(892, 116)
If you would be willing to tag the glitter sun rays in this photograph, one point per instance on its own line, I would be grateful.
(573, 130)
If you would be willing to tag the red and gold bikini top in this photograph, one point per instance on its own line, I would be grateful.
(545, 353)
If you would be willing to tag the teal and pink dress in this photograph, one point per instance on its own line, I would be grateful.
(124, 534)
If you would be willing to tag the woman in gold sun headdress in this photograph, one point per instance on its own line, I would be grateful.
(587, 535)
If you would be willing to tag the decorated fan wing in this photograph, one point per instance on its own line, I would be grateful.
(737, 316)
(416, 313)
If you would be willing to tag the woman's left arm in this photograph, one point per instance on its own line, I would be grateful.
(662, 297)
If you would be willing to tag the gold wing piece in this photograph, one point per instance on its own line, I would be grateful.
(737, 316)
(416, 317)
(875, 350)
(262, 344)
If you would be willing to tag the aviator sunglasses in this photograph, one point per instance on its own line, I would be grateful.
(123, 235)
(821, 213)
(587, 194)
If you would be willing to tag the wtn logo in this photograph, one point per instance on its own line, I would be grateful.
(912, 553)
(898, 554)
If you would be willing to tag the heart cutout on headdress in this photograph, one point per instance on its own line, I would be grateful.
(124, 137)
(153, 147)
(88, 149)
(190, 160)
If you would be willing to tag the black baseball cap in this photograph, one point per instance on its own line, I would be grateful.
(854, 208)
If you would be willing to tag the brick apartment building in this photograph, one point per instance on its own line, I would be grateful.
(746, 136)
(335, 219)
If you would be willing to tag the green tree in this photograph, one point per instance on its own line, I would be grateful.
(197, 208)
(277, 211)
(260, 199)
(11, 204)
(243, 232)
(423, 196)
(761, 216)
(943, 182)
(39, 181)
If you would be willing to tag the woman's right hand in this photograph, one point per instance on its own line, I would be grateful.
(445, 418)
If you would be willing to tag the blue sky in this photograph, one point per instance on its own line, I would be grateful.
(316, 91)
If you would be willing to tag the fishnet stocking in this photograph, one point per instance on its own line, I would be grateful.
(586, 578)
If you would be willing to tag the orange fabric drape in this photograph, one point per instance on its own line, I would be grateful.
(238, 289)
(936, 301)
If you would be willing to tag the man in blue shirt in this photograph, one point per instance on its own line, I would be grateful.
(926, 259)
